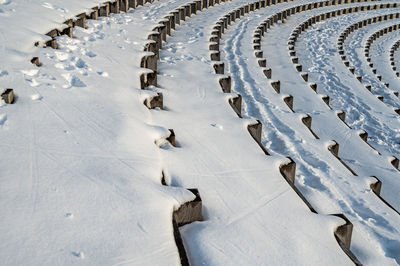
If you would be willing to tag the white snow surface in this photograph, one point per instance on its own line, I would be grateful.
(82, 157)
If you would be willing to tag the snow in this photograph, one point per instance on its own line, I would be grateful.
(82, 156)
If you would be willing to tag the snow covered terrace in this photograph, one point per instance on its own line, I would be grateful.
(202, 132)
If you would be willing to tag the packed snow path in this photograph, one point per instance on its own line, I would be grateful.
(92, 193)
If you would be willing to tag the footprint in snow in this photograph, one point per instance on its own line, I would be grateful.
(68, 67)
(76, 82)
(218, 126)
(80, 63)
(90, 38)
(3, 73)
(73, 81)
(36, 97)
(3, 119)
(50, 6)
(30, 72)
(33, 82)
(78, 254)
(172, 50)
(90, 54)
(103, 74)
(61, 56)
(71, 47)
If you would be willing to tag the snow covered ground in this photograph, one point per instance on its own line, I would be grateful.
(82, 158)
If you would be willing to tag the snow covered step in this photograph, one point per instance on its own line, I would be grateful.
(35, 61)
(114, 6)
(104, 10)
(93, 14)
(215, 56)
(307, 120)
(79, 21)
(8, 96)
(53, 42)
(190, 211)
(125, 5)
(376, 187)
(171, 138)
(225, 83)
(219, 68)
(154, 101)
(364, 136)
(255, 130)
(275, 84)
(393, 50)
(167, 138)
(236, 104)
(148, 78)
(70, 29)
(152, 45)
(334, 149)
(288, 99)
(150, 62)
(268, 74)
(262, 62)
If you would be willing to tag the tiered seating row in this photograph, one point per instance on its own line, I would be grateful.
(393, 50)
(190, 211)
(368, 45)
(292, 42)
(225, 82)
(343, 36)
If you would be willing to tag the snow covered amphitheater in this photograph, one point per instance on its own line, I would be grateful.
(202, 132)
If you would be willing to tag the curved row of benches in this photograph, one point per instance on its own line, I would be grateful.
(334, 147)
(189, 211)
(292, 41)
(235, 102)
(291, 47)
(392, 51)
(368, 45)
(276, 84)
(343, 36)
(375, 186)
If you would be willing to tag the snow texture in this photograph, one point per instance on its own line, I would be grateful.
(82, 158)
